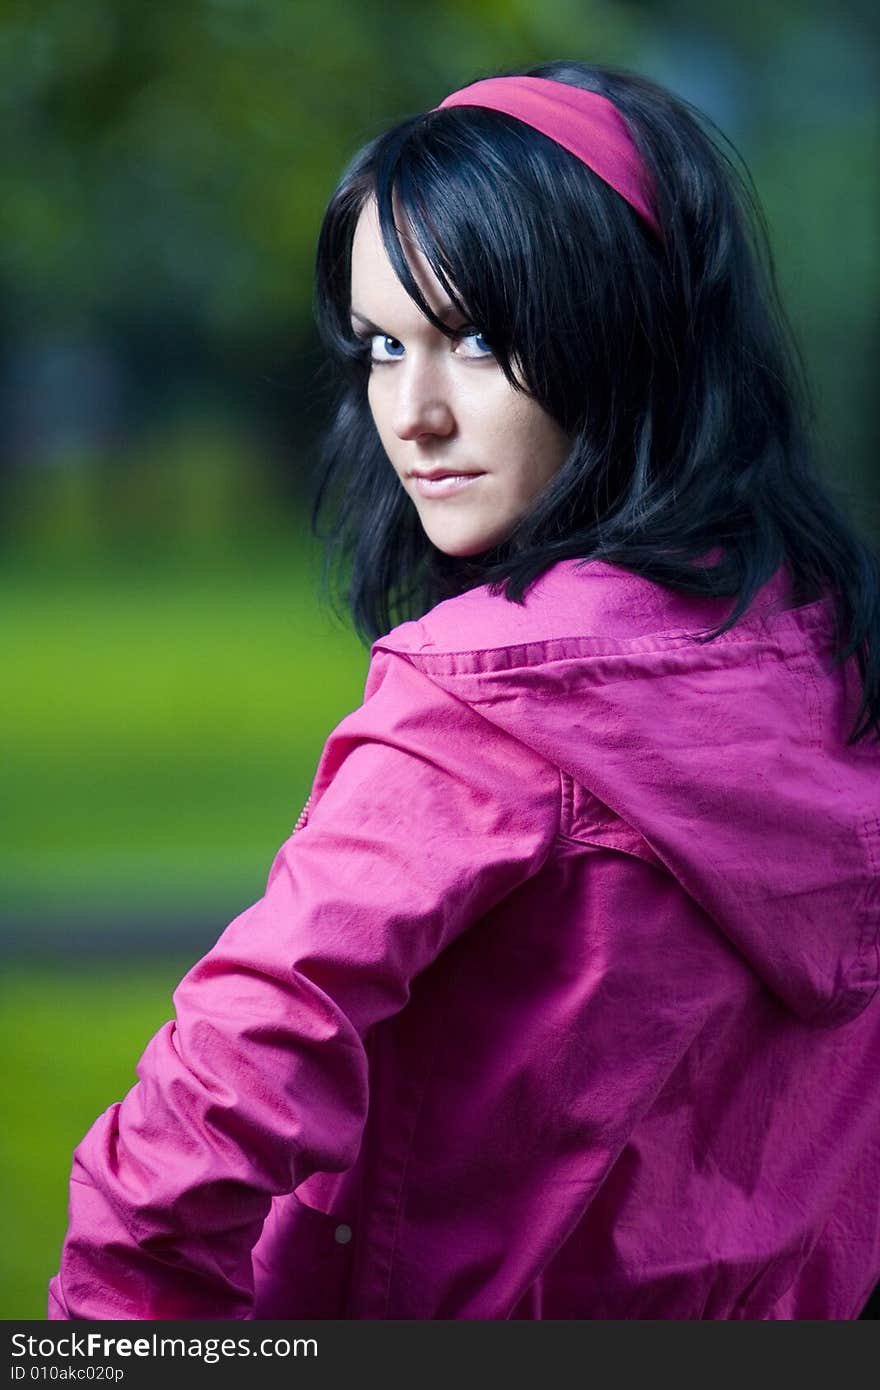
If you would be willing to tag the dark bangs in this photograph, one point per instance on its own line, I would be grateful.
(499, 212)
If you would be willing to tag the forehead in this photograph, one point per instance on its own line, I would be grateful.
(375, 288)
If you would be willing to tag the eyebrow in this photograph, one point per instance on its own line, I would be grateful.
(443, 310)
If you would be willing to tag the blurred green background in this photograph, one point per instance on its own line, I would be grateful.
(169, 676)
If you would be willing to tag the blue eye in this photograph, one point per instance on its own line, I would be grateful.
(384, 348)
(384, 339)
(483, 348)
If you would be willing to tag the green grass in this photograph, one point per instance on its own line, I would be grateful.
(71, 1038)
(159, 728)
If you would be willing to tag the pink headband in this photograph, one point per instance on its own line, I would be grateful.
(585, 123)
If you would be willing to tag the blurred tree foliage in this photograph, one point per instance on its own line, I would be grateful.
(186, 150)
(167, 165)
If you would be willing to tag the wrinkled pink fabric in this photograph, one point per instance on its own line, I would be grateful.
(560, 1005)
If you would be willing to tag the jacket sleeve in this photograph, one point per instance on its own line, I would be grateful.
(423, 818)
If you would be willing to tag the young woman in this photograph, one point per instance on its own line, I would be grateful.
(560, 1002)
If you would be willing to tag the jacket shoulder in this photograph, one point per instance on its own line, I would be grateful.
(571, 599)
(590, 601)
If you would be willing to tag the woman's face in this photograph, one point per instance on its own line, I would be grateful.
(470, 451)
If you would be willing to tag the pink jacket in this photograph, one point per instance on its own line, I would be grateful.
(560, 1003)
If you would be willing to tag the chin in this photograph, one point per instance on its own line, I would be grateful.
(461, 550)
(466, 544)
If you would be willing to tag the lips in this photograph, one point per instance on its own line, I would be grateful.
(444, 484)
(433, 475)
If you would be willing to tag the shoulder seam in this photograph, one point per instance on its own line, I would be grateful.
(564, 800)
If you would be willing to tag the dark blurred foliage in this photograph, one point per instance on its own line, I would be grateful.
(167, 164)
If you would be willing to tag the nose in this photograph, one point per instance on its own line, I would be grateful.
(422, 404)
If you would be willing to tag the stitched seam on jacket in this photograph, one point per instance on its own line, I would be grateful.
(629, 840)
(869, 936)
(865, 971)
(401, 1184)
(473, 706)
(779, 630)
(566, 803)
(591, 842)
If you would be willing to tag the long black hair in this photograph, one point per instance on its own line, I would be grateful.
(672, 365)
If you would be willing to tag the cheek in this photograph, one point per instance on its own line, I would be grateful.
(379, 411)
(541, 444)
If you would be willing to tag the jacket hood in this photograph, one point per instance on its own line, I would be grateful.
(728, 758)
